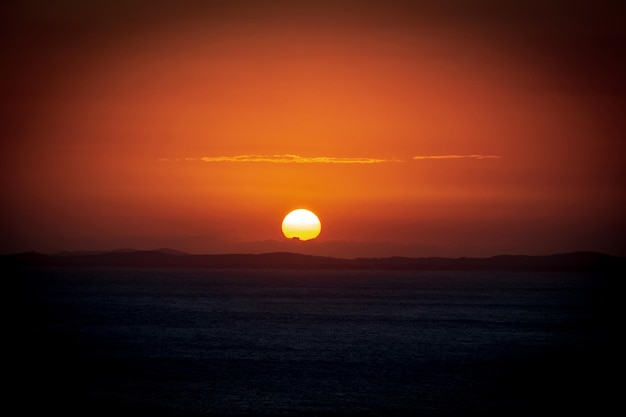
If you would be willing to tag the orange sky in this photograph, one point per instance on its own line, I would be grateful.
(199, 125)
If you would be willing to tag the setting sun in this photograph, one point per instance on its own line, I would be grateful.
(302, 224)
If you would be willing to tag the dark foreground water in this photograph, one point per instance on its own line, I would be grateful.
(268, 343)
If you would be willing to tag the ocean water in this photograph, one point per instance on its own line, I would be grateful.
(161, 342)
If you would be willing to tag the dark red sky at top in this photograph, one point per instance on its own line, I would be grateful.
(418, 128)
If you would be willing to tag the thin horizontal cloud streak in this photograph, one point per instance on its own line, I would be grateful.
(292, 159)
(297, 159)
(421, 157)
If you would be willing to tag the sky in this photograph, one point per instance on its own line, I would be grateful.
(446, 128)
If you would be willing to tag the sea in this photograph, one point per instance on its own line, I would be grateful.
(207, 342)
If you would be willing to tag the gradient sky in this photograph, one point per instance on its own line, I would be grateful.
(454, 129)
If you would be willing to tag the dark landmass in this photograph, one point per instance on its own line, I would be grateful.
(169, 258)
(122, 250)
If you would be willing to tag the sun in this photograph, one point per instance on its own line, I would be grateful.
(302, 224)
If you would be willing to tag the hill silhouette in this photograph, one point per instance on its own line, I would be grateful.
(169, 258)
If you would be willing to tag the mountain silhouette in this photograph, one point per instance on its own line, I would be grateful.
(169, 258)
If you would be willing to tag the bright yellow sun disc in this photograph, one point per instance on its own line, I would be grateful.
(302, 224)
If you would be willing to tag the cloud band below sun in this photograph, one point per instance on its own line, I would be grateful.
(297, 159)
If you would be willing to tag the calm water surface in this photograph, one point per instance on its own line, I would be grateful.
(368, 343)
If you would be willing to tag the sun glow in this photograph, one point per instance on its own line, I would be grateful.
(302, 224)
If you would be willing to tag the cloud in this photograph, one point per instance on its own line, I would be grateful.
(297, 159)
(293, 159)
(420, 157)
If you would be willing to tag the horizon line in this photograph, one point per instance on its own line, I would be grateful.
(165, 250)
